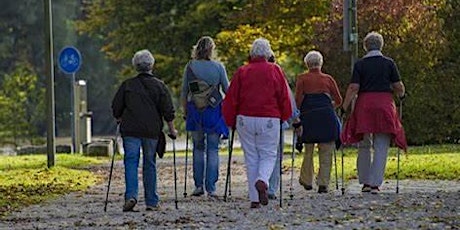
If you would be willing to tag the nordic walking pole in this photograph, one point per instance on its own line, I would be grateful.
(281, 164)
(186, 163)
(343, 168)
(335, 167)
(399, 151)
(230, 149)
(173, 138)
(115, 150)
(291, 188)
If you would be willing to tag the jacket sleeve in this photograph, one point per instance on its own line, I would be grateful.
(284, 101)
(118, 102)
(230, 103)
(166, 105)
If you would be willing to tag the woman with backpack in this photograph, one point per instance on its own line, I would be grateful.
(203, 82)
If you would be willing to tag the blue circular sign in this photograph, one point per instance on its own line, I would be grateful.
(69, 60)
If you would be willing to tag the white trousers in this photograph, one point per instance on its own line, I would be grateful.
(259, 137)
(371, 172)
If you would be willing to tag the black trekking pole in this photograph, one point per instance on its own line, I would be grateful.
(399, 151)
(115, 150)
(343, 167)
(291, 188)
(186, 164)
(281, 164)
(173, 138)
(335, 167)
(230, 150)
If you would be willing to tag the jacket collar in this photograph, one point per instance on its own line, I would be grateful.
(373, 53)
(257, 59)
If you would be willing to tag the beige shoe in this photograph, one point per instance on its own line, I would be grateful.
(152, 207)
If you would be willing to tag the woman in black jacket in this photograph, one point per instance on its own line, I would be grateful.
(140, 106)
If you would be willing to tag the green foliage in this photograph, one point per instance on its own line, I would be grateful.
(25, 180)
(22, 106)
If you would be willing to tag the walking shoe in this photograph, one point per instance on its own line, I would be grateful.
(306, 186)
(213, 195)
(255, 205)
(152, 207)
(366, 188)
(272, 197)
(375, 189)
(262, 190)
(322, 189)
(129, 205)
(198, 191)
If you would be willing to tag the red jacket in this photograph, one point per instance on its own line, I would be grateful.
(257, 89)
(374, 113)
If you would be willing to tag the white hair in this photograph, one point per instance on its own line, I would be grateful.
(313, 59)
(143, 61)
(373, 41)
(261, 48)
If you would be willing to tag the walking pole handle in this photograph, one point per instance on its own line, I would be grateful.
(172, 136)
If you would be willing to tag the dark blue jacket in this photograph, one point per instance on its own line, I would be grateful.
(319, 120)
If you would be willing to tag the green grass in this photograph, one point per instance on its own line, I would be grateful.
(26, 180)
(438, 162)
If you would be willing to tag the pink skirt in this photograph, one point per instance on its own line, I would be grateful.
(374, 112)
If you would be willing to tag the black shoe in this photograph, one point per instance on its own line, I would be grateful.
(306, 186)
(322, 189)
(366, 188)
(272, 197)
(198, 191)
(129, 205)
(375, 190)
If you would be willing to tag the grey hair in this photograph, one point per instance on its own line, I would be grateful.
(261, 48)
(143, 61)
(205, 49)
(373, 41)
(313, 59)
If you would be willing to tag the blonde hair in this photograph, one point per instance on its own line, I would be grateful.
(205, 49)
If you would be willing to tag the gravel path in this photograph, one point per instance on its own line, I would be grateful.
(419, 205)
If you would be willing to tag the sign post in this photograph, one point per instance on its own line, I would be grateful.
(69, 63)
(50, 122)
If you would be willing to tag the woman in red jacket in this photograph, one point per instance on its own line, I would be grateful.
(256, 103)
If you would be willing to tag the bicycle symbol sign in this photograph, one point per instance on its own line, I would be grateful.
(69, 60)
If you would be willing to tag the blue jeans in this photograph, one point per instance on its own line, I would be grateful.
(132, 146)
(205, 143)
(274, 182)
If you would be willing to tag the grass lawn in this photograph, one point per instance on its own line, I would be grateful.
(434, 162)
(26, 180)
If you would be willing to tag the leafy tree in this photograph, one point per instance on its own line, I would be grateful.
(22, 109)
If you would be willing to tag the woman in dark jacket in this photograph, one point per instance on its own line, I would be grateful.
(374, 121)
(140, 105)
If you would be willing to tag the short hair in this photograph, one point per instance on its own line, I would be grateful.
(313, 59)
(204, 49)
(143, 61)
(261, 48)
(373, 41)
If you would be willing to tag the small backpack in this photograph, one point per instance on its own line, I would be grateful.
(203, 94)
